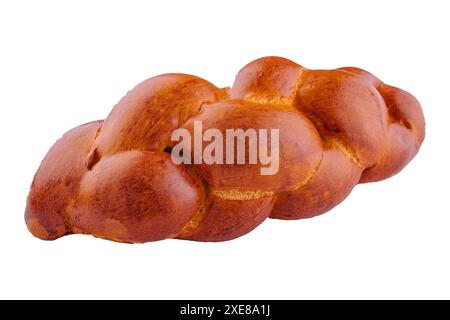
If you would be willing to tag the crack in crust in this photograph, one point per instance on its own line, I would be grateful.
(234, 194)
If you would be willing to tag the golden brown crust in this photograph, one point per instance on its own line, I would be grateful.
(229, 219)
(115, 179)
(334, 180)
(55, 185)
(298, 159)
(145, 118)
(137, 196)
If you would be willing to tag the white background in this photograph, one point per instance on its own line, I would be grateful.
(63, 63)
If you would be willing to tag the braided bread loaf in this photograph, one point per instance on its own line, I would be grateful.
(115, 178)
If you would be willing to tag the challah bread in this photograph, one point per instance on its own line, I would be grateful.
(116, 179)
